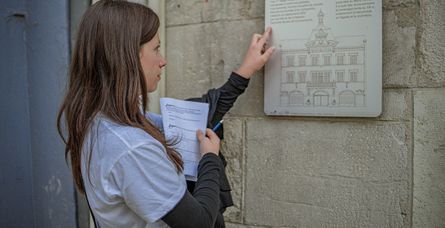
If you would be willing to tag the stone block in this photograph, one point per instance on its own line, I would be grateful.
(431, 44)
(233, 149)
(429, 158)
(195, 70)
(227, 53)
(236, 225)
(397, 105)
(180, 12)
(327, 174)
(398, 3)
(187, 52)
(143, 2)
(399, 46)
(407, 16)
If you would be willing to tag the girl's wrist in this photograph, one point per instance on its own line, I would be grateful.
(245, 73)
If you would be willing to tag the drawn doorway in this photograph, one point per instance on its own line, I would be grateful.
(296, 98)
(347, 98)
(321, 98)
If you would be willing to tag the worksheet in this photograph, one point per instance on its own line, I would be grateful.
(181, 119)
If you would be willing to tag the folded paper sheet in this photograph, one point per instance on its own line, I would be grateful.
(181, 119)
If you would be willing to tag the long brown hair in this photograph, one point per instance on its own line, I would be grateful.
(106, 76)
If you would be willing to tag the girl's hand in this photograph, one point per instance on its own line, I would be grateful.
(208, 143)
(257, 54)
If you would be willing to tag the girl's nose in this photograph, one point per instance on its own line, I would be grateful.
(163, 63)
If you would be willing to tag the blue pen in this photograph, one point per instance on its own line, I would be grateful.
(218, 125)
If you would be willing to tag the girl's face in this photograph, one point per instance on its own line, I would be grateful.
(152, 62)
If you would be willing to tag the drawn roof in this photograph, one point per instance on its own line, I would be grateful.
(322, 36)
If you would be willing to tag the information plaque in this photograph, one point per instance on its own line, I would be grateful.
(328, 58)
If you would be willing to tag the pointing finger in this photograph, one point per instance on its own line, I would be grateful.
(265, 36)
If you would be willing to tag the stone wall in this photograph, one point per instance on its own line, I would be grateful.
(323, 172)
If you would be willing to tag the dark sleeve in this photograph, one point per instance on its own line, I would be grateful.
(200, 208)
(229, 92)
(222, 99)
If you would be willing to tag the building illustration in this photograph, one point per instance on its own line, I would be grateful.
(323, 70)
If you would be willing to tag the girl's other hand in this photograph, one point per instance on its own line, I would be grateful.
(208, 143)
(257, 54)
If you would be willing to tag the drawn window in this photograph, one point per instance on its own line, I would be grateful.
(290, 76)
(353, 76)
(314, 60)
(340, 75)
(340, 60)
(315, 77)
(290, 60)
(320, 77)
(353, 59)
(327, 60)
(326, 76)
(302, 60)
(302, 76)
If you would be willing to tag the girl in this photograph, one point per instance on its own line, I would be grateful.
(120, 159)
